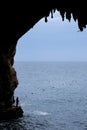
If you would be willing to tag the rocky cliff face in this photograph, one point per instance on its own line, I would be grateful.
(15, 20)
(8, 78)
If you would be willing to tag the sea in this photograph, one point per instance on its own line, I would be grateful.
(53, 96)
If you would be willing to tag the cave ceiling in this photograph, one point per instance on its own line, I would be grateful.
(19, 17)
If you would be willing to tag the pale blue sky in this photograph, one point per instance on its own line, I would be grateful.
(55, 40)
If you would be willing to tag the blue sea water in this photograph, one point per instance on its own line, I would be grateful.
(53, 96)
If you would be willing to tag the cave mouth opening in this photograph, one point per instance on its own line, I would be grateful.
(54, 41)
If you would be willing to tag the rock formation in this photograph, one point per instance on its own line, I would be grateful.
(15, 20)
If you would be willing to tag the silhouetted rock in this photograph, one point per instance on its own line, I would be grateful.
(11, 113)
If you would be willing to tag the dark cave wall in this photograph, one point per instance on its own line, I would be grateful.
(20, 17)
(16, 20)
(8, 78)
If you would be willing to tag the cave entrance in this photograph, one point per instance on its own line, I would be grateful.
(54, 41)
(51, 65)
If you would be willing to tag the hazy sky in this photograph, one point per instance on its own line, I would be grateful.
(55, 40)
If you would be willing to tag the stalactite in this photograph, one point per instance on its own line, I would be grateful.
(54, 10)
(74, 16)
(46, 20)
(51, 13)
(62, 12)
(68, 15)
(80, 25)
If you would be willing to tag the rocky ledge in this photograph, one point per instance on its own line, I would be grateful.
(11, 113)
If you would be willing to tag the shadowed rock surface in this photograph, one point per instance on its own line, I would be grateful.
(11, 113)
(15, 20)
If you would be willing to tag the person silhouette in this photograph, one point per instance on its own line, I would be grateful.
(17, 101)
